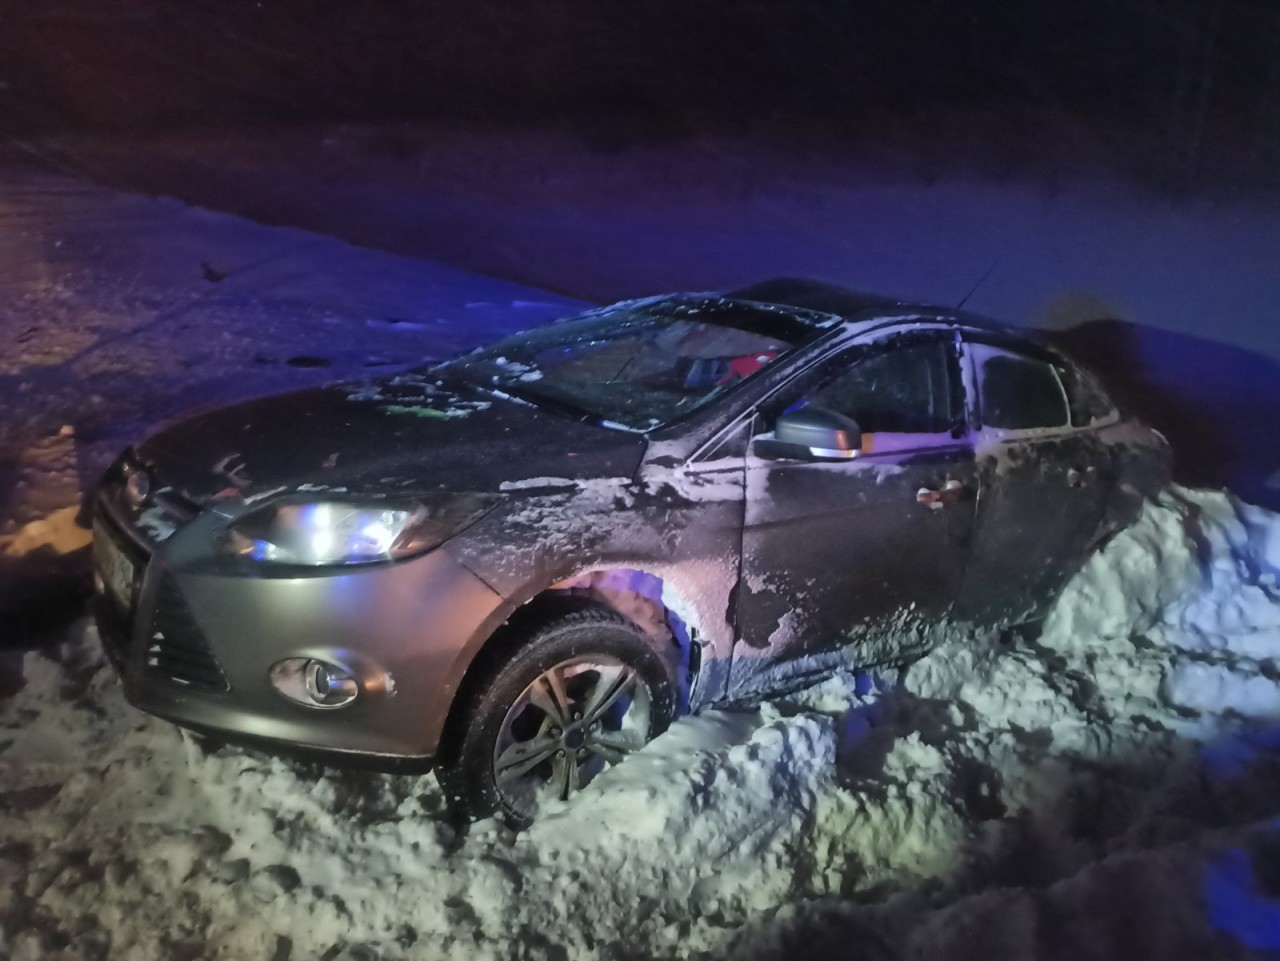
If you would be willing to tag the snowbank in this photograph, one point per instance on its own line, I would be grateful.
(1102, 767)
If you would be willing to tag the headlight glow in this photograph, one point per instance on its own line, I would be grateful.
(340, 532)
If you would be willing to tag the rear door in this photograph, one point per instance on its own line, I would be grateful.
(1044, 484)
(850, 555)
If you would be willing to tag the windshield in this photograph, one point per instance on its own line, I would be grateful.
(641, 364)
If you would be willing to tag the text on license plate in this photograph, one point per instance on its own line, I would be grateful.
(114, 568)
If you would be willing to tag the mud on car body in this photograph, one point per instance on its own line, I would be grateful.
(519, 565)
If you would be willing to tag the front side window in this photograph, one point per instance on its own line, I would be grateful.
(1018, 392)
(901, 385)
(904, 389)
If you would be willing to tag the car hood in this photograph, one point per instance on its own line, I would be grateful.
(405, 433)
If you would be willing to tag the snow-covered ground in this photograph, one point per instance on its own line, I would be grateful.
(1107, 788)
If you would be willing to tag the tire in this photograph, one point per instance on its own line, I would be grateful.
(577, 694)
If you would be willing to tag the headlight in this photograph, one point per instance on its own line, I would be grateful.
(340, 532)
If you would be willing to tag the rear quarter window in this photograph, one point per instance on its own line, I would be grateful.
(1018, 392)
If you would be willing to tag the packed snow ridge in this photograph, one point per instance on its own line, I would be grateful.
(1079, 788)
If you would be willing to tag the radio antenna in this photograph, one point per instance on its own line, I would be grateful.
(965, 299)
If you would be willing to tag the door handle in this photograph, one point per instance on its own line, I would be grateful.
(935, 500)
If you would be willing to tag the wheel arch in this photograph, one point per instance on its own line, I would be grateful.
(643, 597)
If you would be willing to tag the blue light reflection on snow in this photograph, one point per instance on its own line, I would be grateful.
(863, 683)
(1234, 900)
(1234, 903)
(1233, 754)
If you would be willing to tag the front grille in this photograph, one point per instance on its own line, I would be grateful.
(177, 649)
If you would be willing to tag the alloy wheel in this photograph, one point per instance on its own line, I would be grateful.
(575, 719)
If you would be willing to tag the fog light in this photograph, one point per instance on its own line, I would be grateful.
(314, 683)
(329, 685)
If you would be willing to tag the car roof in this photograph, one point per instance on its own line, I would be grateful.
(843, 302)
(858, 307)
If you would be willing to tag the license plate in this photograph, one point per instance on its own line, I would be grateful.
(114, 568)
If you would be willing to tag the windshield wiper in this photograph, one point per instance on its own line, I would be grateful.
(552, 405)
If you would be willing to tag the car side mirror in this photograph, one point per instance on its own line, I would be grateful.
(812, 433)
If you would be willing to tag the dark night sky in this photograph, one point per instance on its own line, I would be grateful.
(1179, 94)
(669, 66)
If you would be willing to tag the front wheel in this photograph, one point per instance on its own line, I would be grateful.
(581, 693)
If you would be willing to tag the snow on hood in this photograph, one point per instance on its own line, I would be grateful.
(402, 432)
(959, 805)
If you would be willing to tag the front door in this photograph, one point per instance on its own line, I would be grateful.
(858, 561)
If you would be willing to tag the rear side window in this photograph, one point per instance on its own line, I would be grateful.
(903, 388)
(1019, 393)
(1087, 400)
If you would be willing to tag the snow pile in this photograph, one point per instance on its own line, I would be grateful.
(1072, 794)
(1198, 574)
(987, 792)
(1231, 625)
(108, 813)
(1189, 591)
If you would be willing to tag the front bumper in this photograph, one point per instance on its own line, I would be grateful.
(197, 638)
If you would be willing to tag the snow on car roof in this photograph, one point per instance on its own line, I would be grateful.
(796, 309)
(787, 322)
(858, 306)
